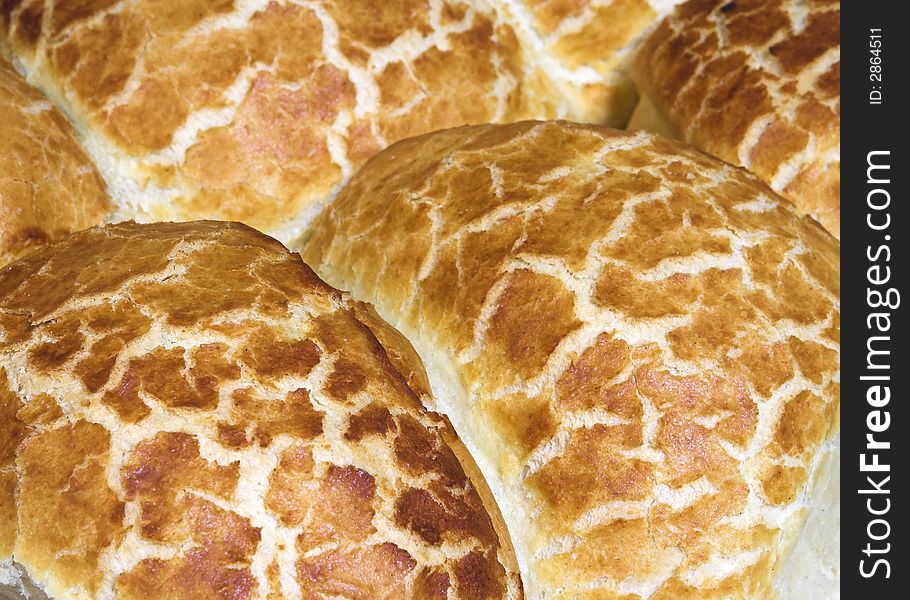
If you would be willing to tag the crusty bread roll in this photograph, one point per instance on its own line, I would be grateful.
(257, 111)
(757, 83)
(637, 342)
(189, 412)
(48, 186)
(585, 48)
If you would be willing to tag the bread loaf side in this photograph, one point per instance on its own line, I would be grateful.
(48, 186)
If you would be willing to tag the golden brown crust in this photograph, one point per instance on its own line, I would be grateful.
(584, 46)
(408, 363)
(48, 186)
(637, 341)
(187, 410)
(256, 113)
(757, 83)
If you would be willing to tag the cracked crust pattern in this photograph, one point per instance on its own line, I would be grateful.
(585, 47)
(186, 410)
(638, 343)
(757, 83)
(48, 186)
(257, 110)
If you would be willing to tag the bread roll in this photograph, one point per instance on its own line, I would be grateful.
(189, 412)
(257, 111)
(48, 186)
(637, 342)
(585, 48)
(757, 83)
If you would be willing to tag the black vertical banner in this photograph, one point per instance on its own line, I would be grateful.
(875, 423)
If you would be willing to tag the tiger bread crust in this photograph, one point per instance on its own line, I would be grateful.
(756, 83)
(637, 342)
(257, 111)
(48, 186)
(586, 48)
(189, 412)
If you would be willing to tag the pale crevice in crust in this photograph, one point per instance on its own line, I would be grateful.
(15, 584)
(586, 50)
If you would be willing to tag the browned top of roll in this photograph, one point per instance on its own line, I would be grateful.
(585, 48)
(186, 410)
(639, 341)
(48, 186)
(256, 112)
(757, 83)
